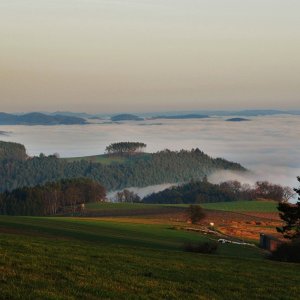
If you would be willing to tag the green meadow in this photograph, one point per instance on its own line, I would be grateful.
(110, 206)
(82, 258)
(103, 159)
(109, 159)
(244, 206)
(235, 206)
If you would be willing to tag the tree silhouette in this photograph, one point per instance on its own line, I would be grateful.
(195, 213)
(125, 148)
(290, 214)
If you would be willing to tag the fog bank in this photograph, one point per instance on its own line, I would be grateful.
(269, 146)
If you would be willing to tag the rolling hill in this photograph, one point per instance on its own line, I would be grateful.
(36, 118)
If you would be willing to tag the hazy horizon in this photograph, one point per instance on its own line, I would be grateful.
(149, 55)
(156, 112)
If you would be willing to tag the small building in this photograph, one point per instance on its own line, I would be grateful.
(269, 242)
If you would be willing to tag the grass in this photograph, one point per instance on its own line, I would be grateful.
(128, 209)
(243, 206)
(103, 159)
(234, 206)
(71, 258)
(109, 159)
(120, 206)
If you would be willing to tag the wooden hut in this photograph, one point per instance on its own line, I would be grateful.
(269, 242)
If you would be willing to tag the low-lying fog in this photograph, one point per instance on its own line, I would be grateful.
(268, 145)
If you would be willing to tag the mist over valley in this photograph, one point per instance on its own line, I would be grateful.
(267, 145)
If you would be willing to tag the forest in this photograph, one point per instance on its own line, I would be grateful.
(139, 170)
(51, 198)
(205, 192)
(125, 148)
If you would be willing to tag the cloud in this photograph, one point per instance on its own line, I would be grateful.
(142, 192)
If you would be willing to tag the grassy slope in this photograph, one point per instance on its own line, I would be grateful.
(238, 206)
(109, 159)
(244, 206)
(235, 206)
(120, 206)
(104, 159)
(68, 258)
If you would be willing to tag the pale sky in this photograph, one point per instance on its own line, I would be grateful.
(149, 55)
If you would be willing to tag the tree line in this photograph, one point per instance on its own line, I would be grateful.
(289, 251)
(196, 192)
(122, 148)
(51, 198)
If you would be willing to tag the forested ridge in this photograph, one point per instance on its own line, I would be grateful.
(36, 118)
(203, 191)
(139, 170)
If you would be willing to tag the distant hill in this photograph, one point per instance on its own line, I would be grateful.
(237, 120)
(181, 117)
(113, 172)
(126, 117)
(225, 113)
(71, 114)
(260, 112)
(255, 112)
(39, 119)
(96, 118)
(198, 114)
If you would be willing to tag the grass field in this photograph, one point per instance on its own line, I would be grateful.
(88, 258)
(120, 206)
(244, 206)
(109, 159)
(235, 206)
(103, 159)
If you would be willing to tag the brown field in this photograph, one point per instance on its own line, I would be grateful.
(238, 225)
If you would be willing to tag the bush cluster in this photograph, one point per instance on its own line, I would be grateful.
(202, 247)
(288, 252)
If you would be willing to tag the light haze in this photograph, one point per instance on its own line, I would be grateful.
(113, 56)
(269, 146)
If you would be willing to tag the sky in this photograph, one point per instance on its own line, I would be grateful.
(149, 55)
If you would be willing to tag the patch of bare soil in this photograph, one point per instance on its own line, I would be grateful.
(245, 225)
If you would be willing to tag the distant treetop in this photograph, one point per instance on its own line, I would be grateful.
(126, 117)
(125, 148)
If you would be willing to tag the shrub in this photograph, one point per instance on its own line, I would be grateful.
(195, 213)
(289, 252)
(206, 247)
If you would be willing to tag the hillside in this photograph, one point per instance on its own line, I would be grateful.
(125, 117)
(68, 258)
(39, 119)
(115, 172)
(237, 120)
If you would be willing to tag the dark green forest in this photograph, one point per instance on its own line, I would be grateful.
(51, 198)
(125, 148)
(205, 192)
(138, 170)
